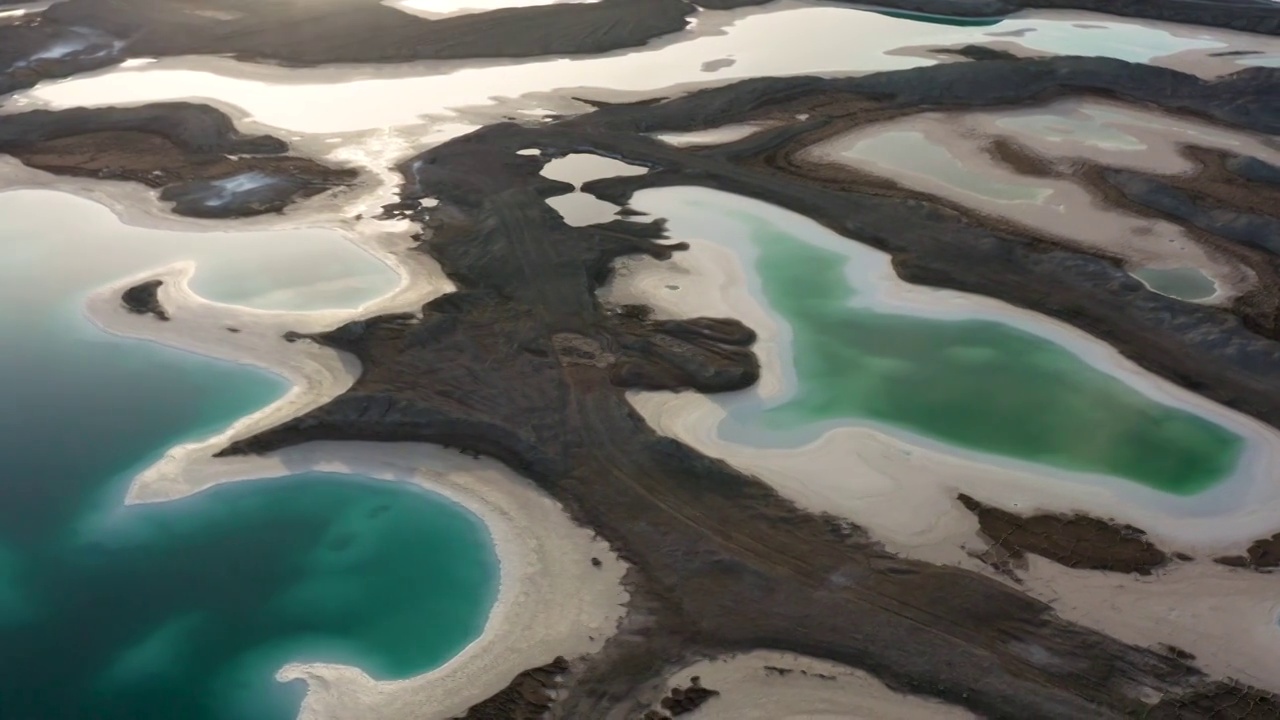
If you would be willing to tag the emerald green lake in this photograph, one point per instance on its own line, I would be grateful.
(969, 382)
(186, 609)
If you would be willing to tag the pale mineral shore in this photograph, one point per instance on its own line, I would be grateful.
(1069, 209)
(541, 551)
(768, 685)
(903, 488)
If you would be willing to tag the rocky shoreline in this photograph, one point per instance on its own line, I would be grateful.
(524, 364)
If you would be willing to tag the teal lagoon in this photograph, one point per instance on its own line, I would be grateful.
(962, 380)
(186, 609)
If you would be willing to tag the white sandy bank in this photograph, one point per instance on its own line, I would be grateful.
(767, 685)
(903, 491)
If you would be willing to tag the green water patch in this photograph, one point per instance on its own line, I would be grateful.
(978, 384)
(1183, 283)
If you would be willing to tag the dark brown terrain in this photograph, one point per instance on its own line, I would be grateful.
(187, 150)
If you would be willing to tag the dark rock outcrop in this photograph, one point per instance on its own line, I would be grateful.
(144, 298)
(1250, 229)
(684, 700)
(1262, 555)
(528, 697)
(1075, 541)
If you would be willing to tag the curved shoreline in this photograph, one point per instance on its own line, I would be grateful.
(905, 494)
(720, 287)
(541, 551)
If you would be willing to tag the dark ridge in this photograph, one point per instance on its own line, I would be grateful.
(976, 52)
(191, 127)
(1254, 230)
(204, 166)
(528, 696)
(1247, 99)
(1253, 169)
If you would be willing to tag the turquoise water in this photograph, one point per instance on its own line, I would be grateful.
(186, 609)
(1185, 283)
(965, 381)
